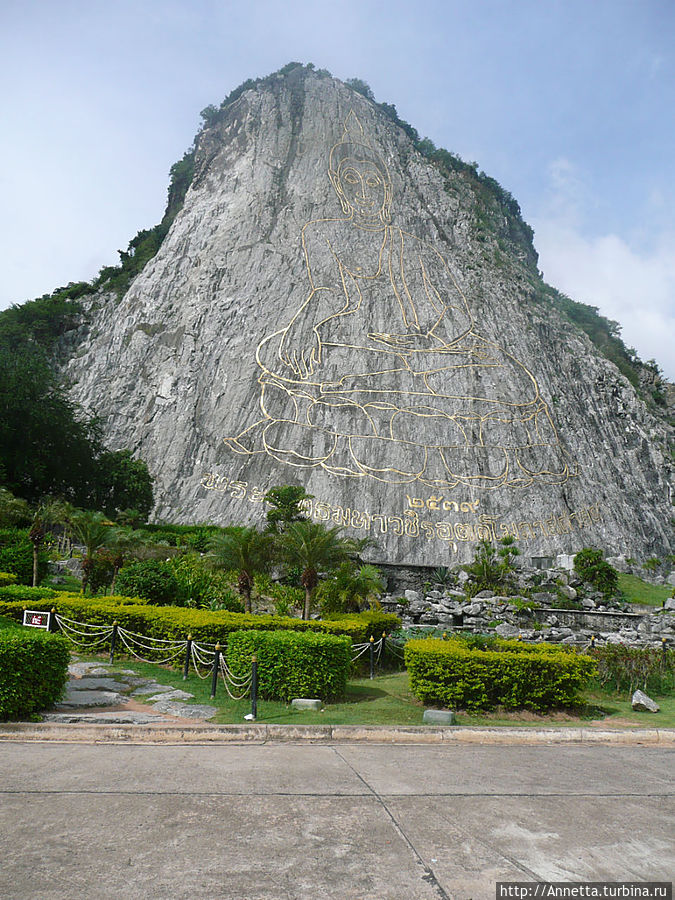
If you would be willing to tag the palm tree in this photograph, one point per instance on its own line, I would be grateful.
(349, 587)
(314, 548)
(124, 542)
(94, 531)
(47, 512)
(247, 550)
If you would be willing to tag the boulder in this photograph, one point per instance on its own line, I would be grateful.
(438, 717)
(642, 703)
(507, 631)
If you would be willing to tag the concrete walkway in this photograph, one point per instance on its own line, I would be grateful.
(328, 821)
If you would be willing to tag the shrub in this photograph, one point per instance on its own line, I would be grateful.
(590, 566)
(24, 593)
(492, 567)
(173, 623)
(16, 555)
(293, 664)
(33, 671)
(7, 578)
(514, 675)
(151, 579)
(629, 668)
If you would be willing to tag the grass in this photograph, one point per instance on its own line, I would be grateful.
(386, 700)
(642, 592)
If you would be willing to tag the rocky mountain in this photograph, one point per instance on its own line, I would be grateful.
(331, 307)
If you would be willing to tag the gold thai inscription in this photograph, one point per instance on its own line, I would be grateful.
(410, 523)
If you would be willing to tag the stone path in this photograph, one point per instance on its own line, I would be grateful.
(99, 693)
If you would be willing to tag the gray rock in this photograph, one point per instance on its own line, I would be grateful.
(671, 578)
(434, 595)
(642, 703)
(103, 718)
(304, 703)
(79, 669)
(546, 598)
(186, 710)
(170, 695)
(484, 595)
(78, 699)
(568, 592)
(200, 327)
(587, 603)
(152, 687)
(88, 683)
(413, 596)
(438, 717)
(507, 631)
(669, 604)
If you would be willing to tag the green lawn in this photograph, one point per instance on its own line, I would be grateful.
(642, 592)
(386, 700)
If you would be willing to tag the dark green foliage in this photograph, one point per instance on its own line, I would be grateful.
(16, 555)
(151, 579)
(492, 567)
(245, 550)
(590, 566)
(33, 671)
(122, 483)
(285, 501)
(45, 447)
(293, 664)
(629, 668)
(349, 587)
(513, 675)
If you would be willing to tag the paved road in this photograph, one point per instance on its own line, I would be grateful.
(336, 821)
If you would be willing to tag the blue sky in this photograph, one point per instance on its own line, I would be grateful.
(569, 105)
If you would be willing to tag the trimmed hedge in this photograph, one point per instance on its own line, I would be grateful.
(292, 663)
(7, 578)
(175, 623)
(514, 675)
(33, 671)
(22, 593)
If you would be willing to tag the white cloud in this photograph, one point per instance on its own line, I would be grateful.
(634, 287)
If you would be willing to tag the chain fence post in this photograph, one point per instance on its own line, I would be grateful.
(372, 657)
(53, 624)
(113, 642)
(188, 654)
(214, 676)
(254, 685)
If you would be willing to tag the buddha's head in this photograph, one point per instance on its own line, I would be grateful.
(361, 180)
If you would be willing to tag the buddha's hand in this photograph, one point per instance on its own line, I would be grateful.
(300, 348)
(409, 341)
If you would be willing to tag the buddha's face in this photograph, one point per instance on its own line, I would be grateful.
(363, 186)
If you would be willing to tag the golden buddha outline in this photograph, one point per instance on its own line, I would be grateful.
(380, 372)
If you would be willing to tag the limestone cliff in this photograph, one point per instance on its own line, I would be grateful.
(328, 308)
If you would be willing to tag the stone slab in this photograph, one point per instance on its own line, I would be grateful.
(152, 687)
(104, 718)
(80, 699)
(185, 710)
(305, 703)
(89, 683)
(439, 717)
(170, 695)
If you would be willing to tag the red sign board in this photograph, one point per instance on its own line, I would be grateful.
(35, 619)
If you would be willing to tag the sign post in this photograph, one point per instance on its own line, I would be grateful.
(36, 619)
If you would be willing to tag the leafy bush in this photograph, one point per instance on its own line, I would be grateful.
(630, 668)
(151, 579)
(201, 587)
(293, 664)
(7, 578)
(517, 676)
(16, 555)
(492, 567)
(23, 593)
(590, 565)
(173, 623)
(33, 671)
